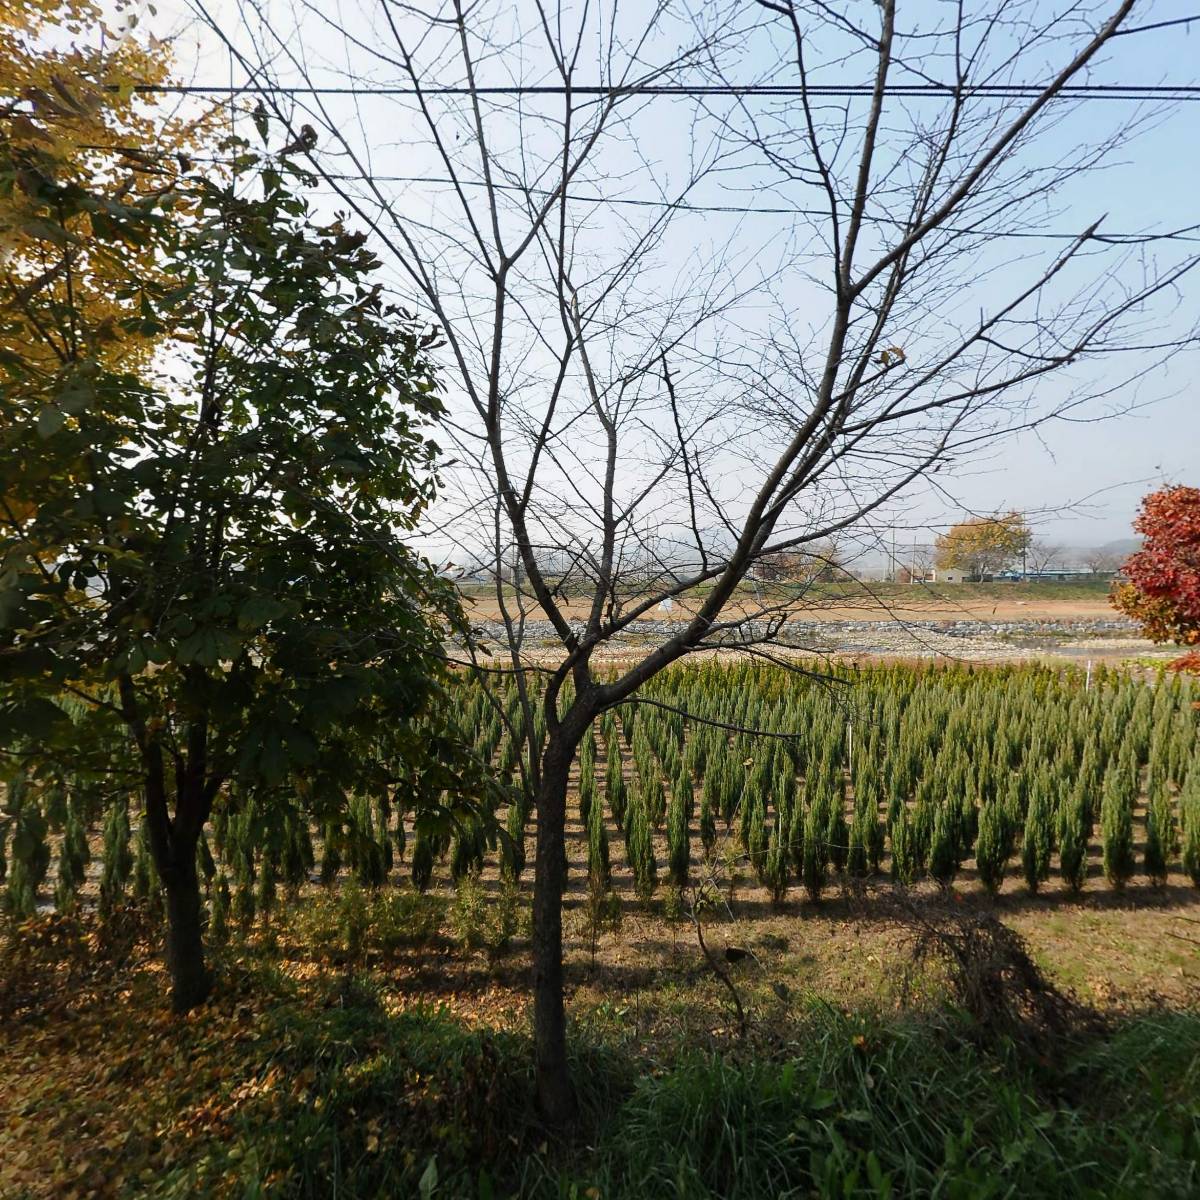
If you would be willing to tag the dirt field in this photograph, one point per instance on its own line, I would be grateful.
(889, 602)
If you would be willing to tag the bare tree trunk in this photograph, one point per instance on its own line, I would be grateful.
(190, 978)
(173, 848)
(556, 1095)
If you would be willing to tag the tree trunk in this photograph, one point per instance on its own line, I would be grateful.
(173, 846)
(556, 1095)
(190, 980)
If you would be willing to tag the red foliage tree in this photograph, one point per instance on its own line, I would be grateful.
(1162, 580)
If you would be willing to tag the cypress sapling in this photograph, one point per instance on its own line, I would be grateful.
(1116, 827)
(943, 846)
(992, 845)
(1036, 843)
(599, 866)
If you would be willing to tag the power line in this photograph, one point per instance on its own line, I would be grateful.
(1090, 91)
(1183, 234)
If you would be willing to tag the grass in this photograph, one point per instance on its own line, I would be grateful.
(957, 593)
(318, 1072)
(864, 1107)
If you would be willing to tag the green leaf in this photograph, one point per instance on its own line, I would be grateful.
(76, 397)
(35, 718)
(200, 648)
(273, 759)
(257, 611)
(44, 231)
(428, 1182)
(49, 421)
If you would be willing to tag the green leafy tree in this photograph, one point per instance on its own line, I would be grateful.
(209, 553)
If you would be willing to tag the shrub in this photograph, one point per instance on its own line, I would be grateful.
(599, 865)
(73, 857)
(815, 854)
(1037, 842)
(904, 864)
(423, 858)
(118, 862)
(1116, 825)
(943, 847)
(615, 791)
(513, 862)
(218, 917)
(837, 835)
(991, 845)
(30, 856)
(678, 846)
(1074, 827)
(640, 848)
(1189, 813)
(708, 823)
(777, 863)
(1160, 836)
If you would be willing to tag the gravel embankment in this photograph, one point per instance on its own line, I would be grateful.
(973, 639)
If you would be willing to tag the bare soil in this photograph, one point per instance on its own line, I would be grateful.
(884, 602)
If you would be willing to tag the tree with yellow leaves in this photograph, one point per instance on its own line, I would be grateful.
(69, 78)
(981, 546)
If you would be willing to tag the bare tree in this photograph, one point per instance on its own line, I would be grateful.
(648, 376)
(814, 564)
(1039, 556)
(1101, 561)
(918, 563)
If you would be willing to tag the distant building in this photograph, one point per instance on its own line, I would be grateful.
(949, 575)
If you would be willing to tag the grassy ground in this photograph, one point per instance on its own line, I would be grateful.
(1086, 590)
(371, 1047)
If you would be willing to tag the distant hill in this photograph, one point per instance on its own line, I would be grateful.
(1122, 546)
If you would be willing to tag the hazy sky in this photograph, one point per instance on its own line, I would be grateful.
(1083, 480)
